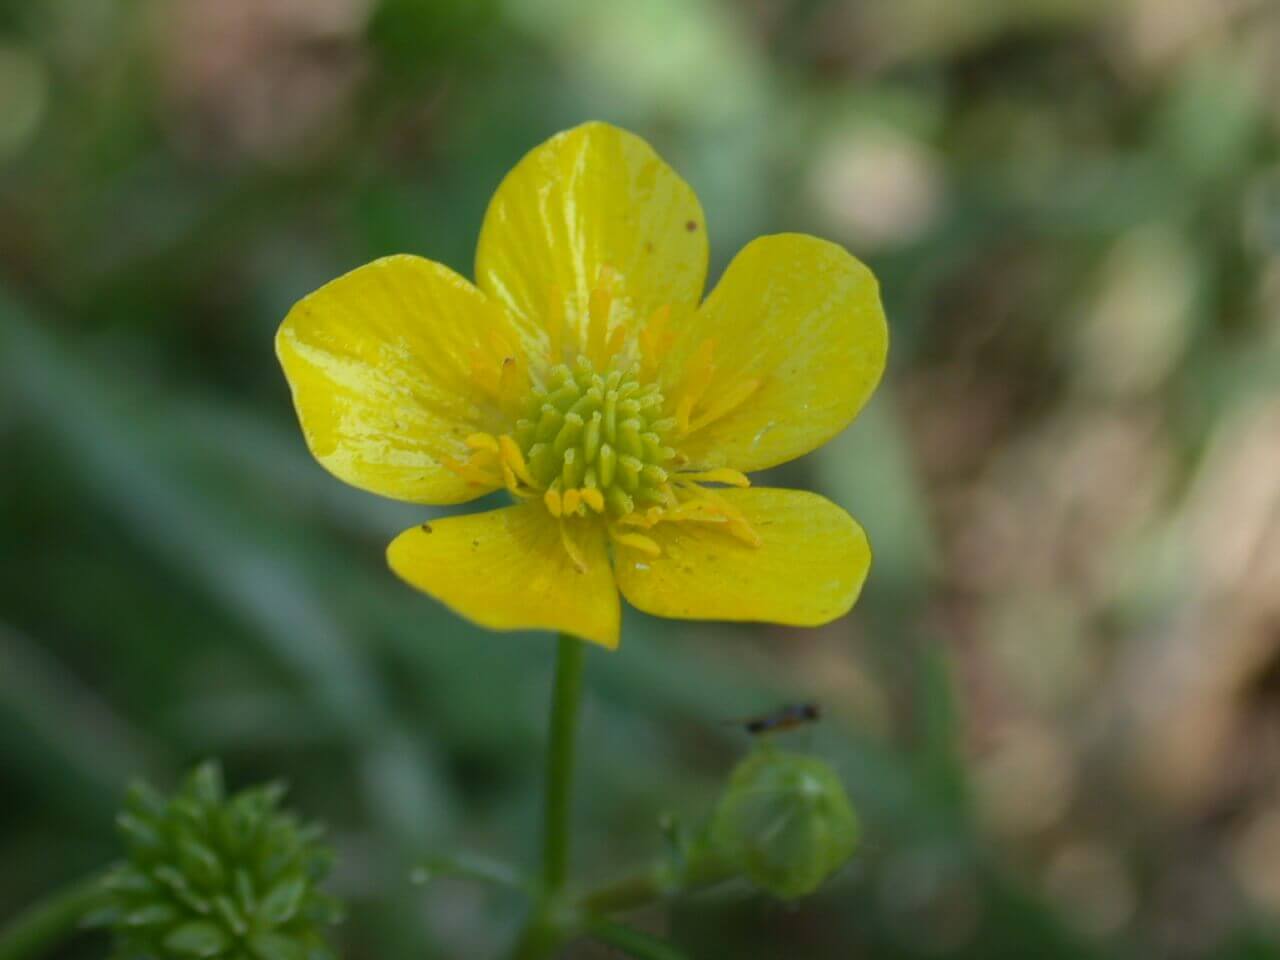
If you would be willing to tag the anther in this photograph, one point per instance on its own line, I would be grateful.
(637, 541)
(552, 499)
(572, 501)
(513, 458)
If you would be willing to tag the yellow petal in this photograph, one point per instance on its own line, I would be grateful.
(381, 365)
(808, 569)
(509, 570)
(592, 198)
(798, 343)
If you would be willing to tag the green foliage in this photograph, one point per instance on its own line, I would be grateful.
(211, 876)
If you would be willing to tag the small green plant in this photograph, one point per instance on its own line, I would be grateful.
(209, 875)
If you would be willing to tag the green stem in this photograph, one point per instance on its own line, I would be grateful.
(658, 882)
(545, 930)
(627, 893)
(565, 700)
(51, 919)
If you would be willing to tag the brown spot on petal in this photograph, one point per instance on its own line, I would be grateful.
(691, 226)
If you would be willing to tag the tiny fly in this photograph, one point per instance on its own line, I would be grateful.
(786, 717)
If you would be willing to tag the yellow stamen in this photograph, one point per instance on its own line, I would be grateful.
(705, 506)
(737, 523)
(724, 403)
(645, 519)
(617, 341)
(482, 441)
(654, 340)
(636, 541)
(509, 478)
(552, 499)
(572, 500)
(697, 379)
(470, 472)
(593, 498)
(572, 548)
(720, 475)
(514, 459)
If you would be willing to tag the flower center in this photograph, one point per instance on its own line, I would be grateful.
(597, 441)
(589, 443)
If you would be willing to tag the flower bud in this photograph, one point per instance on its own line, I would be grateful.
(785, 822)
(209, 876)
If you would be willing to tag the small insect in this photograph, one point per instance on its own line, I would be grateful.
(786, 717)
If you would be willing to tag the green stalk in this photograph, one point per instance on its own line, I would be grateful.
(545, 930)
(565, 701)
(658, 882)
(51, 919)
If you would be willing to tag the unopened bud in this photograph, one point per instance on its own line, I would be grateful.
(785, 822)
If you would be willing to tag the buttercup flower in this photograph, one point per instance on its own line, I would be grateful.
(582, 373)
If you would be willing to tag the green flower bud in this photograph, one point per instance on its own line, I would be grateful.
(785, 822)
(210, 876)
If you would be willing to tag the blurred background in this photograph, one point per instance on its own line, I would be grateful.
(1057, 706)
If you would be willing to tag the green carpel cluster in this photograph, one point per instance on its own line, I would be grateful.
(211, 876)
(591, 431)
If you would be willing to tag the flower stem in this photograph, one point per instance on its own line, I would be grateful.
(544, 932)
(634, 890)
(566, 698)
(50, 919)
(658, 882)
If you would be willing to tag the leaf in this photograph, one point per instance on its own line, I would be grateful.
(197, 939)
(281, 903)
(273, 946)
(153, 915)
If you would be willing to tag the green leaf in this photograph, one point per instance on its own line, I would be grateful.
(281, 903)
(273, 946)
(153, 915)
(207, 784)
(197, 939)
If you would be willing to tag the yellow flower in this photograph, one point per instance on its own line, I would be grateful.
(582, 374)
